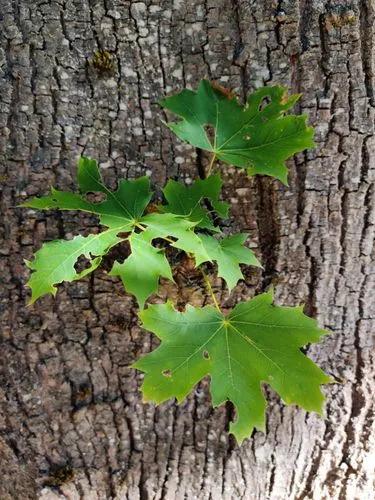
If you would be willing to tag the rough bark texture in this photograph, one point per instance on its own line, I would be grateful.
(73, 424)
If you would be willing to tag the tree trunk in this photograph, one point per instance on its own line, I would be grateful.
(73, 424)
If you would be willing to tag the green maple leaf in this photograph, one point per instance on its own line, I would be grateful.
(120, 212)
(257, 136)
(187, 200)
(257, 342)
(55, 261)
(141, 271)
(228, 253)
(121, 208)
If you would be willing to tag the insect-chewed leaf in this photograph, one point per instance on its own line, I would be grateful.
(120, 208)
(55, 261)
(257, 136)
(140, 272)
(122, 212)
(257, 342)
(187, 200)
(180, 228)
(228, 253)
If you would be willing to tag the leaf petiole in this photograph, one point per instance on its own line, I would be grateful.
(210, 290)
(211, 164)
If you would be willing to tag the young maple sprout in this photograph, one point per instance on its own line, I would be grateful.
(180, 222)
(255, 343)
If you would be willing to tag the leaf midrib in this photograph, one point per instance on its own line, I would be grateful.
(111, 194)
(263, 145)
(238, 332)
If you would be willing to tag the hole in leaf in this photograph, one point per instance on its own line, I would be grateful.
(95, 197)
(206, 355)
(123, 235)
(167, 373)
(210, 131)
(263, 103)
(120, 252)
(82, 263)
(160, 243)
(153, 208)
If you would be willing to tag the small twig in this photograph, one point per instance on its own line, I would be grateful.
(210, 291)
(211, 164)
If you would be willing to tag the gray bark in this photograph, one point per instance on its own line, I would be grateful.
(73, 424)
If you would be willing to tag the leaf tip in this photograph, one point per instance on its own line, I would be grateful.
(30, 301)
(28, 264)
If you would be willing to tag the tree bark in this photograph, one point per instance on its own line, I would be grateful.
(73, 424)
